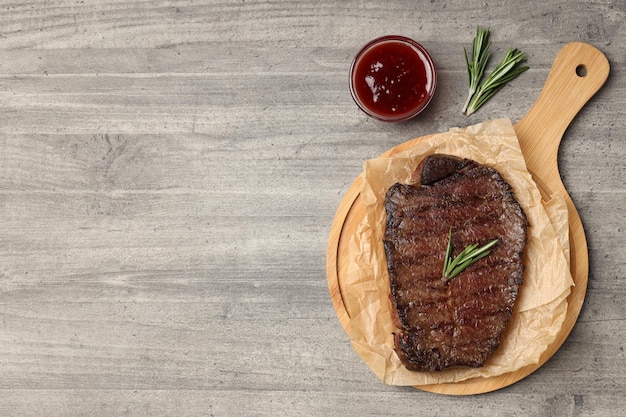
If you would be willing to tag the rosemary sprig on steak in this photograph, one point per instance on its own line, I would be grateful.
(469, 255)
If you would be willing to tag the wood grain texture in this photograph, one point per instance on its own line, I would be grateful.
(169, 173)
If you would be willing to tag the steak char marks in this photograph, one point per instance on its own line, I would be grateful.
(459, 322)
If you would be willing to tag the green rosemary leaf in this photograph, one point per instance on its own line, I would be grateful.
(461, 257)
(446, 259)
(476, 65)
(468, 256)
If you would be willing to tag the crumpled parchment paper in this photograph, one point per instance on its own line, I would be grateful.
(541, 305)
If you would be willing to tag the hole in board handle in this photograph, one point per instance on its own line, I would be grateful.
(581, 70)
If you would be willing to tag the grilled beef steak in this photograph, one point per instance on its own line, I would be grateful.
(441, 322)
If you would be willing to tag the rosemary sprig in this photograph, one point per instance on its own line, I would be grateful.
(469, 255)
(505, 71)
(480, 57)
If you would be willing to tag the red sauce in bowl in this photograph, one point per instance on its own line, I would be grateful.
(392, 78)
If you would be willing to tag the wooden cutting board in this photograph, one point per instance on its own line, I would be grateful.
(577, 73)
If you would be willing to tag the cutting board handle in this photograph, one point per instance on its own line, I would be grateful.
(578, 72)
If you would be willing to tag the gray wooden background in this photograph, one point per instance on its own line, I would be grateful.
(169, 172)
